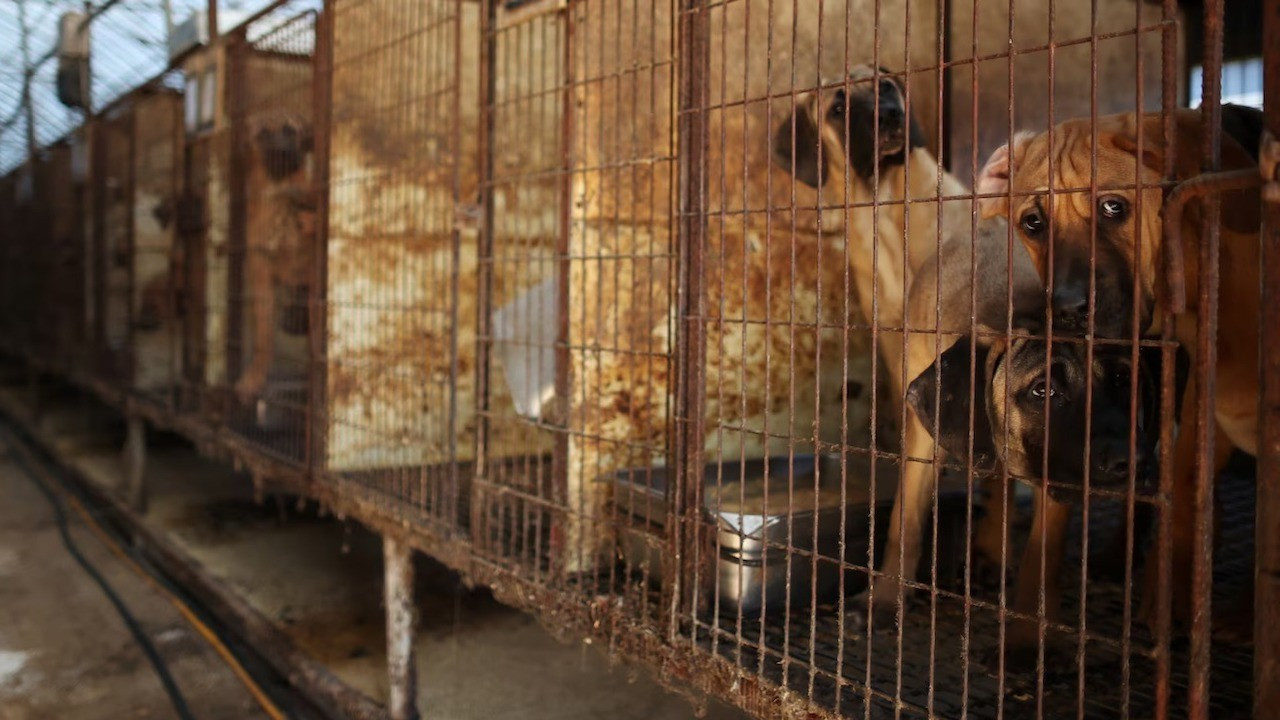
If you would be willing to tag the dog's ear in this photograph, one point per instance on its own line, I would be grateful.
(943, 395)
(995, 175)
(915, 133)
(1241, 210)
(801, 157)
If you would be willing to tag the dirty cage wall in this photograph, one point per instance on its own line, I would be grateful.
(534, 285)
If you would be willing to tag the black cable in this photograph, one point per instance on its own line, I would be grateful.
(139, 636)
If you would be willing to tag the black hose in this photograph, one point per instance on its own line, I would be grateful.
(130, 622)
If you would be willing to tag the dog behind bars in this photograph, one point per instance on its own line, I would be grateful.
(1030, 406)
(1094, 282)
(869, 132)
(279, 242)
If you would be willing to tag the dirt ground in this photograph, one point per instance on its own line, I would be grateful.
(64, 654)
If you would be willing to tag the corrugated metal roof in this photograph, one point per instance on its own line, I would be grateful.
(128, 48)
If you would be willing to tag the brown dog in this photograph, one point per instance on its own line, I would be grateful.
(1014, 413)
(279, 242)
(1127, 224)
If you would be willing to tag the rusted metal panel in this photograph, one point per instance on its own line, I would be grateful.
(66, 238)
(208, 184)
(113, 248)
(158, 143)
(402, 274)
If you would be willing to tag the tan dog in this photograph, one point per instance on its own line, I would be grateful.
(279, 242)
(869, 132)
(1130, 249)
(887, 244)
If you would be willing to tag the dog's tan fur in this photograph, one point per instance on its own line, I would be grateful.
(1139, 245)
(279, 243)
(890, 240)
(887, 242)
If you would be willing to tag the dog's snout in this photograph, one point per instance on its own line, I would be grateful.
(891, 115)
(1114, 459)
(1070, 306)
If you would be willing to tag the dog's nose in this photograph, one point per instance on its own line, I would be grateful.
(1070, 306)
(1116, 460)
(891, 116)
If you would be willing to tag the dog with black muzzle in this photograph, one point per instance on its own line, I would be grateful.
(1015, 399)
(863, 135)
(1087, 201)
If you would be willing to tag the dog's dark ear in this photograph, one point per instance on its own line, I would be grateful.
(915, 133)
(942, 395)
(801, 157)
(915, 136)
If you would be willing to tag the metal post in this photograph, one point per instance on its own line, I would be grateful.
(213, 22)
(1206, 354)
(27, 72)
(135, 464)
(685, 499)
(1266, 600)
(402, 675)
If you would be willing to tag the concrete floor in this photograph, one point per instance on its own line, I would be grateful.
(319, 579)
(65, 653)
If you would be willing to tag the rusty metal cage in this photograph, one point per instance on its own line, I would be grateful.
(270, 85)
(756, 339)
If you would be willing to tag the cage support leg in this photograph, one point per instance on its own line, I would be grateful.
(402, 698)
(135, 463)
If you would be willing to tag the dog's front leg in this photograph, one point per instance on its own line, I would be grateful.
(259, 280)
(1040, 568)
(991, 538)
(906, 524)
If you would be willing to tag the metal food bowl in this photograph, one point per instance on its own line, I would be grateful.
(774, 524)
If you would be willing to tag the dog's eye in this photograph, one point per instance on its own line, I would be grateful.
(1033, 223)
(837, 104)
(1042, 388)
(1112, 207)
(1120, 379)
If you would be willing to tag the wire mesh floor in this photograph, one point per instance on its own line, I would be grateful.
(803, 652)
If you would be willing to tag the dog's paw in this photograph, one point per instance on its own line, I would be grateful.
(884, 612)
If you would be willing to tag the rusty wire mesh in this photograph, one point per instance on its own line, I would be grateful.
(614, 301)
(271, 85)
